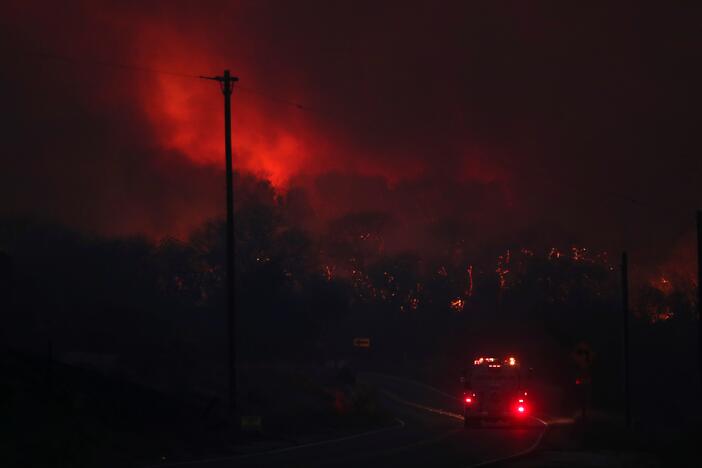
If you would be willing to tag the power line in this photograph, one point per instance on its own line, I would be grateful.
(130, 67)
(275, 98)
(105, 64)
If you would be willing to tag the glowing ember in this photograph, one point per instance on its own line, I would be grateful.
(503, 269)
(578, 254)
(554, 254)
(527, 252)
(664, 285)
(469, 293)
(328, 272)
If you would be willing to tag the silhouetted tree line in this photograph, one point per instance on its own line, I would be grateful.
(158, 306)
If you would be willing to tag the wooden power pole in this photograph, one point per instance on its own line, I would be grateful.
(227, 85)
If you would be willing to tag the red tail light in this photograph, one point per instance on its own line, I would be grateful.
(520, 407)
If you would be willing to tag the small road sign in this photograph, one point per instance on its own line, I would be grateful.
(361, 342)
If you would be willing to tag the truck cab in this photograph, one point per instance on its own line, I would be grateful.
(494, 389)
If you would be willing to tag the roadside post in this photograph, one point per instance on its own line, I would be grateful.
(583, 357)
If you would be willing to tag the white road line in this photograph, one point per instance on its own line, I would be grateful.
(516, 455)
(400, 425)
(430, 409)
(458, 416)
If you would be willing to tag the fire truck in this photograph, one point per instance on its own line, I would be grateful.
(495, 389)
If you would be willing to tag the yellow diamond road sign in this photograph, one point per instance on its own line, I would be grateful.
(361, 343)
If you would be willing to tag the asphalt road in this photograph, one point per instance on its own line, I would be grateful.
(428, 433)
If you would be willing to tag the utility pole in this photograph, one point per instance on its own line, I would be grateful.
(625, 344)
(226, 82)
(699, 288)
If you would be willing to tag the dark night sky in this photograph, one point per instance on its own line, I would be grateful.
(526, 121)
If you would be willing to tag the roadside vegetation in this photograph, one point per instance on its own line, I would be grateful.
(147, 315)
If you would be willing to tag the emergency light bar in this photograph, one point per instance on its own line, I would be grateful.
(494, 362)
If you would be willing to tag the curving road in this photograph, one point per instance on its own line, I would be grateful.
(429, 433)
